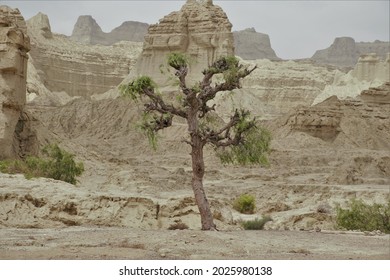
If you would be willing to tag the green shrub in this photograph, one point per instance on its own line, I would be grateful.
(256, 224)
(57, 164)
(364, 217)
(245, 204)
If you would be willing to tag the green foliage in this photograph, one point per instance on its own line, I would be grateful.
(148, 127)
(245, 204)
(365, 217)
(57, 164)
(61, 164)
(256, 224)
(252, 150)
(135, 88)
(177, 60)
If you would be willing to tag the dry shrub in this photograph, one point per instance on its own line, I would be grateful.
(178, 225)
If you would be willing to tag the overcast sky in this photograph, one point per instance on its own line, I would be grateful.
(296, 28)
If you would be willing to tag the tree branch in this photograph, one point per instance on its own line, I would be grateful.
(224, 136)
(159, 105)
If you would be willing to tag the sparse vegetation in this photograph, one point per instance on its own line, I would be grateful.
(56, 164)
(245, 204)
(256, 224)
(364, 217)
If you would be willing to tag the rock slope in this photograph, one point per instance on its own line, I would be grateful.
(87, 31)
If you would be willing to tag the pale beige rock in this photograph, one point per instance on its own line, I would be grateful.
(14, 45)
(78, 70)
(275, 88)
(370, 68)
(200, 29)
(370, 71)
(40, 24)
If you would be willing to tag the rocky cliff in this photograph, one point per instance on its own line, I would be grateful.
(66, 66)
(345, 52)
(250, 44)
(14, 45)
(87, 31)
(200, 29)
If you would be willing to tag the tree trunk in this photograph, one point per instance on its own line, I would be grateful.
(197, 184)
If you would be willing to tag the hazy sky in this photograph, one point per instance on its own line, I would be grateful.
(296, 28)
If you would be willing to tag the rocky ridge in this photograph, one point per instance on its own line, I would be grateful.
(345, 52)
(87, 31)
(70, 68)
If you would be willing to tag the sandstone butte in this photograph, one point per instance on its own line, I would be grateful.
(200, 29)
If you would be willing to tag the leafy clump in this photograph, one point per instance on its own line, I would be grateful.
(253, 150)
(56, 164)
(245, 204)
(177, 60)
(364, 217)
(256, 224)
(135, 89)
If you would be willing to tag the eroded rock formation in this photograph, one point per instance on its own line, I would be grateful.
(200, 29)
(250, 44)
(276, 87)
(14, 45)
(73, 68)
(345, 52)
(370, 68)
(88, 31)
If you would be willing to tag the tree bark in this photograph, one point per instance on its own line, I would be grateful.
(197, 184)
(198, 168)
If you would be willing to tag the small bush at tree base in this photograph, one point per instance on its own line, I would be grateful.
(57, 164)
(256, 224)
(365, 217)
(245, 204)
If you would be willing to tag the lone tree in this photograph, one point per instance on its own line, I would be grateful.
(241, 140)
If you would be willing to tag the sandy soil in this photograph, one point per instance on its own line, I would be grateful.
(125, 243)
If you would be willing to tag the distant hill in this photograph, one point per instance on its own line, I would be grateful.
(250, 44)
(345, 51)
(87, 31)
